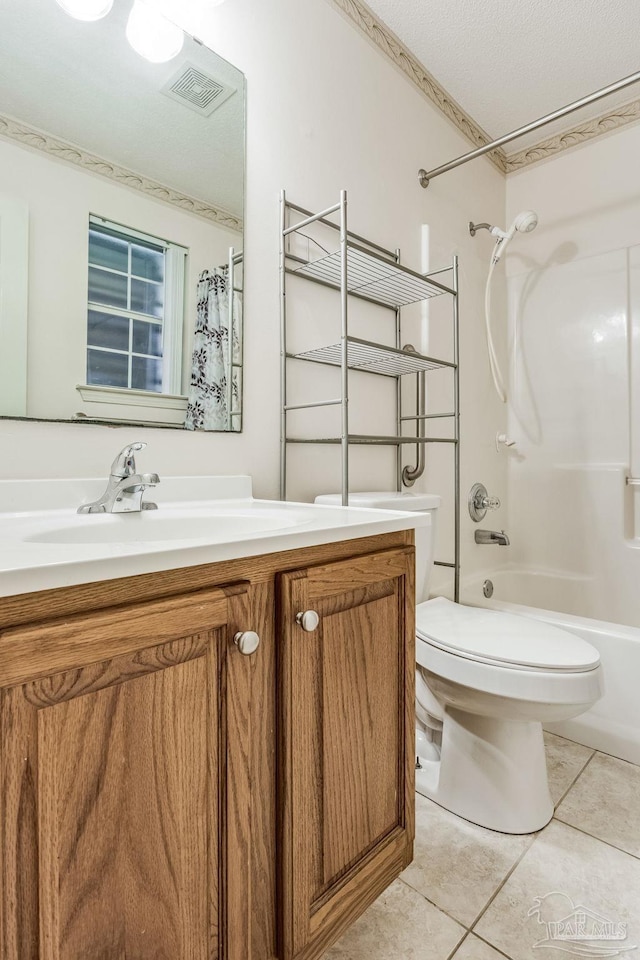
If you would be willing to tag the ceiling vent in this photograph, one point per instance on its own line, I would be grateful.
(195, 89)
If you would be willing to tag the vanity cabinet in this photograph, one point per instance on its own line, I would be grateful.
(347, 732)
(110, 783)
(163, 795)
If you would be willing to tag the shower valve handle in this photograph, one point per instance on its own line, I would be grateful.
(480, 501)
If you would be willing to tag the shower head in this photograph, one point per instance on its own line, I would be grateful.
(525, 222)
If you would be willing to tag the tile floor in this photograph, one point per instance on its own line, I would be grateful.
(472, 894)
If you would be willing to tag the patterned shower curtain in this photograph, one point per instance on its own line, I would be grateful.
(214, 392)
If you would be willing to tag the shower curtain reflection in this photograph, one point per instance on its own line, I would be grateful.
(215, 388)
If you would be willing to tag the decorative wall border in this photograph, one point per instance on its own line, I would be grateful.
(582, 133)
(392, 47)
(28, 136)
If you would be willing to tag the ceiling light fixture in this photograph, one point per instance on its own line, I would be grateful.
(86, 9)
(151, 35)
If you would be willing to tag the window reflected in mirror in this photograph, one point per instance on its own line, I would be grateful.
(135, 317)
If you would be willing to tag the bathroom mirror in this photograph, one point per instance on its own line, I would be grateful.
(121, 211)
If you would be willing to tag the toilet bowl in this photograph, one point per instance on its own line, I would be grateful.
(496, 678)
(486, 681)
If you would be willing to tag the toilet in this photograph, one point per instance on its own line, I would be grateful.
(486, 681)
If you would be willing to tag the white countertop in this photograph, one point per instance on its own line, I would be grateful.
(45, 543)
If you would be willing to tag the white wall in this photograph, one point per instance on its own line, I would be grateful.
(325, 111)
(574, 296)
(60, 198)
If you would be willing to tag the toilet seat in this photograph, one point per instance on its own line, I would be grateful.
(462, 645)
(503, 640)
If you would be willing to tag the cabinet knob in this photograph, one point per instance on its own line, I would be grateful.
(247, 642)
(308, 620)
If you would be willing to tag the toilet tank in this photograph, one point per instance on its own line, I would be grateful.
(400, 500)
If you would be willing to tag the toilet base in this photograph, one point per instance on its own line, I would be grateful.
(491, 772)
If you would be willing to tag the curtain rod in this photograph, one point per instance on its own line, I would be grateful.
(425, 176)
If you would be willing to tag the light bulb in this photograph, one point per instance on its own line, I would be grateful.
(151, 35)
(86, 9)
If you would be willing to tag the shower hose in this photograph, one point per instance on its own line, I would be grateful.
(493, 360)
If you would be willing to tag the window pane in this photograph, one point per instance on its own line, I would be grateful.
(104, 330)
(147, 338)
(109, 288)
(108, 251)
(146, 374)
(107, 369)
(147, 263)
(147, 298)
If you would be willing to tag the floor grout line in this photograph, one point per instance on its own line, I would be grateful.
(613, 756)
(592, 836)
(602, 753)
(451, 956)
(505, 878)
(493, 946)
(574, 781)
(464, 926)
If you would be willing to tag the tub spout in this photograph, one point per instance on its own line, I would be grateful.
(492, 536)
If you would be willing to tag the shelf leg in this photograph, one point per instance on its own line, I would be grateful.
(344, 345)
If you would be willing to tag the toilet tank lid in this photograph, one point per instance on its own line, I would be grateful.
(386, 500)
(502, 638)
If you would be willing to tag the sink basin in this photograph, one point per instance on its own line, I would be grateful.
(45, 544)
(211, 526)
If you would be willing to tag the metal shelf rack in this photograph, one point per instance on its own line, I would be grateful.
(372, 276)
(370, 357)
(367, 271)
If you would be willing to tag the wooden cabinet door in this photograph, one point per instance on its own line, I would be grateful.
(347, 755)
(116, 731)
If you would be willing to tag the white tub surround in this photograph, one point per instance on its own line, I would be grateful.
(45, 543)
(574, 392)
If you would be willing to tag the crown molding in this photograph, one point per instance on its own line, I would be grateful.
(28, 136)
(582, 133)
(379, 34)
(391, 47)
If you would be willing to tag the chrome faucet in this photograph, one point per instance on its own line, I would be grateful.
(492, 536)
(125, 487)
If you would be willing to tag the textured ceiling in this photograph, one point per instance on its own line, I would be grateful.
(508, 62)
(83, 83)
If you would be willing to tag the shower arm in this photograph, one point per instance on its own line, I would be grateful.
(474, 227)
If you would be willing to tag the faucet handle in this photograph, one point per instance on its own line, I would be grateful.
(480, 501)
(124, 464)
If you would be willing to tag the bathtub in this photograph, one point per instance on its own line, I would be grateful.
(613, 724)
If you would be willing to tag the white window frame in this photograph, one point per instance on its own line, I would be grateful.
(173, 319)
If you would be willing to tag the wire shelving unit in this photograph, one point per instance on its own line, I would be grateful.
(362, 269)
